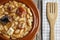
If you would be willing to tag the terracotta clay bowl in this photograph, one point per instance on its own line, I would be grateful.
(36, 23)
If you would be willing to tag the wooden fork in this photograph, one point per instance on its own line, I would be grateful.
(52, 10)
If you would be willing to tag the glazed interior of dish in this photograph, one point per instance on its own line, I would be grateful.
(16, 20)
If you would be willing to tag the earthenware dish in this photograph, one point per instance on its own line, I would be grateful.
(36, 15)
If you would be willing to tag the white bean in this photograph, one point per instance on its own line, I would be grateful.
(2, 16)
(16, 23)
(22, 19)
(5, 27)
(12, 6)
(1, 27)
(17, 18)
(28, 10)
(17, 31)
(29, 22)
(13, 37)
(6, 4)
(19, 35)
(25, 33)
(3, 10)
(24, 24)
(14, 10)
(1, 6)
(31, 19)
(5, 35)
(28, 16)
(12, 25)
(23, 5)
(15, 3)
(6, 13)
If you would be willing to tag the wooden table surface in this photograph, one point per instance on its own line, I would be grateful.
(38, 4)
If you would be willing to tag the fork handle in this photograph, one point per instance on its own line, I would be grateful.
(52, 32)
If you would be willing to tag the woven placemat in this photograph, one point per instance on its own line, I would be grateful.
(45, 25)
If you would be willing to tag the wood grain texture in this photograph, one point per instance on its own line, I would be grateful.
(51, 20)
(38, 36)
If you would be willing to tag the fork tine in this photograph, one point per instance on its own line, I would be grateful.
(56, 8)
(48, 7)
(51, 7)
